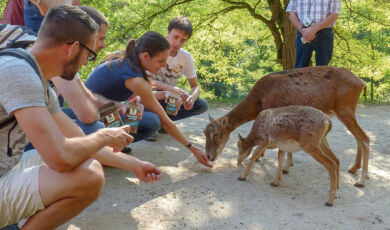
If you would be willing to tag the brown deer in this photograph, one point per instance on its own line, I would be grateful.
(291, 128)
(330, 89)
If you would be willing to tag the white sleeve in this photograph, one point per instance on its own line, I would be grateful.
(189, 67)
(292, 6)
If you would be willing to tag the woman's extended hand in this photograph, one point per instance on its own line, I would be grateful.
(201, 156)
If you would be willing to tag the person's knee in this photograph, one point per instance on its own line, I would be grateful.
(91, 179)
(88, 129)
(153, 123)
(202, 106)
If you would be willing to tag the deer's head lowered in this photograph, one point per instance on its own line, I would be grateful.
(216, 137)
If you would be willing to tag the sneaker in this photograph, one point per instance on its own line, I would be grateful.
(162, 131)
(126, 150)
(152, 138)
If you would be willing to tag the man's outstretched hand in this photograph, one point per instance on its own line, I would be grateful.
(147, 172)
(118, 137)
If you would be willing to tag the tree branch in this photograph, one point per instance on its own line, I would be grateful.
(213, 16)
(250, 10)
(149, 20)
(343, 38)
(349, 7)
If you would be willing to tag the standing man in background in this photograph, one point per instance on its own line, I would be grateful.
(35, 10)
(314, 21)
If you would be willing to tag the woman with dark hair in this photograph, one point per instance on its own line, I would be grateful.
(123, 74)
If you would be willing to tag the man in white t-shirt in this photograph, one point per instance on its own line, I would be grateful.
(179, 63)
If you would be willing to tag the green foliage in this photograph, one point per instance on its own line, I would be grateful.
(232, 49)
(364, 48)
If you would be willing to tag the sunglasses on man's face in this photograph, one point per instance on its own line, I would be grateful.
(91, 55)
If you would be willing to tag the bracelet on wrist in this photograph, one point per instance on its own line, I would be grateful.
(189, 145)
(37, 2)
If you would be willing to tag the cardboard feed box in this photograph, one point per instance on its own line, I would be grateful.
(110, 116)
(173, 101)
(132, 117)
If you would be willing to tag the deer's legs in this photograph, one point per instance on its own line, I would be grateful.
(280, 169)
(256, 154)
(330, 165)
(261, 155)
(288, 164)
(325, 149)
(363, 146)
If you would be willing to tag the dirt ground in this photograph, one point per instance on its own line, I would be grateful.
(189, 196)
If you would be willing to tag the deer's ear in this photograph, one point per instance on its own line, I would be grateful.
(211, 118)
(240, 137)
(224, 121)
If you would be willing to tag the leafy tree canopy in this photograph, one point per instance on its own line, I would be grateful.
(235, 43)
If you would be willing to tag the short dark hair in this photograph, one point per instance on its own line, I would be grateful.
(95, 15)
(66, 23)
(181, 23)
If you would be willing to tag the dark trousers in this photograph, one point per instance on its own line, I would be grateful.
(200, 106)
(322, 44)
(11, 227)
(148, 126)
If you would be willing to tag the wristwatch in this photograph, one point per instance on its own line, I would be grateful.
(189, 145)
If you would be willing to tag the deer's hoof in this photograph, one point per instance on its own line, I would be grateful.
(274, 184)
(352, 171)
(328, 204)
(359, 185)
(241, 178)
(285, 171)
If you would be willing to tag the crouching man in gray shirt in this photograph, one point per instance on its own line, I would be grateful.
(68, 175)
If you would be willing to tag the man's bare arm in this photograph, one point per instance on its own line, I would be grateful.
(160, 85)
(165, 87)
(74, 93)
(326, 22)
(195, 90)
(309, 33)
(143, 170)
(295, 20)
(59, 152)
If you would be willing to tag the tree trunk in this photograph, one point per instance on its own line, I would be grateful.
(372, 89)
(289, 32)
(283, 32)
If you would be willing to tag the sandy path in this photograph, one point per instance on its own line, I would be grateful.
(189, 196)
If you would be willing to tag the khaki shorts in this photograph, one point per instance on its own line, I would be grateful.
(19, 192)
